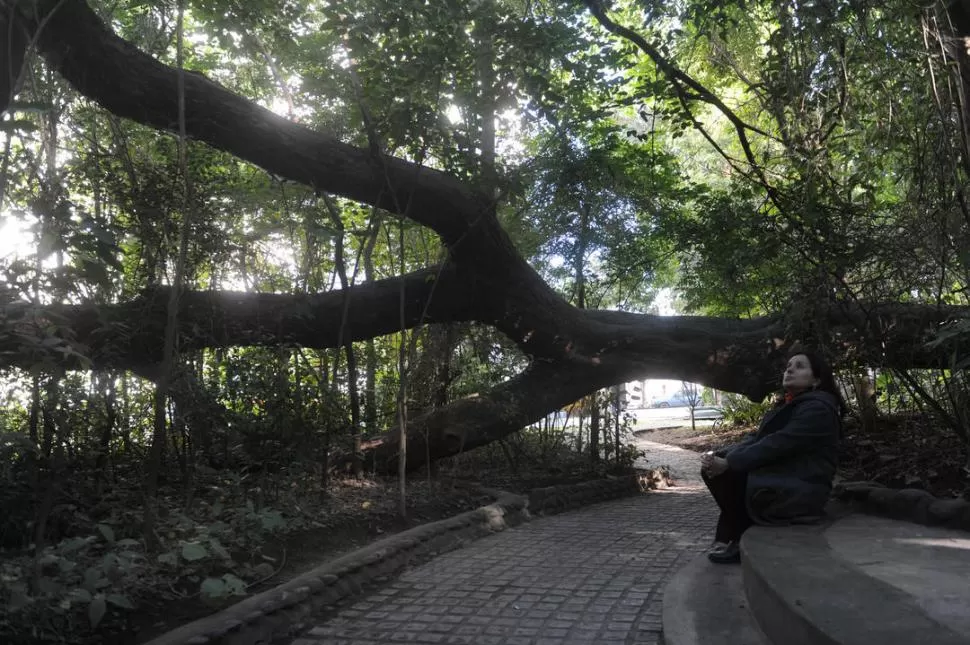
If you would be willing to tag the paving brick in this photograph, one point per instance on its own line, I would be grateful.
(592, 576)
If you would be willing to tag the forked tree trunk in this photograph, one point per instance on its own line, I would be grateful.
(573, 352)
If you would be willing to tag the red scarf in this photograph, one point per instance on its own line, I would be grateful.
(788, 397)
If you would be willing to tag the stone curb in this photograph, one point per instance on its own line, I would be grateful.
(908, 504)
(279, 612)
(801, 593)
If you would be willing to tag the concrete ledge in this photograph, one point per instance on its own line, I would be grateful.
(704, 604)
(801, 594)
(280, 612)
(910, 504)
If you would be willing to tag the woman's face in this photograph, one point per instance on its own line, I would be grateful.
(798, 375)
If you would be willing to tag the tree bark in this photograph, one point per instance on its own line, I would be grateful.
(14, 38)
(573, 352)
(370, 350)
(352, 389)
(127, 335)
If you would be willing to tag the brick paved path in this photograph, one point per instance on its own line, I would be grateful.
(592, 576)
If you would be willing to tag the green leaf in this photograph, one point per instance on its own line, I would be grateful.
(107, 532)
(49, 586)
(218, 549)
(92, 578)
(271, 520)
(213, 588)
(96, 610)
(81, 595)
(18, 596)
(171, 558)
(192, 551)
(120, 600)
(48, 559)
(127, 542)
(234, 585)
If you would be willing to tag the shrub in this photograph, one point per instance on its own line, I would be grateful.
(741, 411)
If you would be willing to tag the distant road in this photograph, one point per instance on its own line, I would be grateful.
(652, 418)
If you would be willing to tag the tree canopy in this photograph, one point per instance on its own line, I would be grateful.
(539, 171)
(249, 238)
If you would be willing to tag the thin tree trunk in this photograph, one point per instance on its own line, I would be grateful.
(52, 395)
(616, 424)
(370, 350)
(579, 259)
(485, 63)
(594, 428)
(42, 516)
(402, 401)
(55, 466)
(33, 427)
(579, 433)
(323, 385)
(864, 395)
(107, 430)
(352, 390)
(171, 322)
(125, 416)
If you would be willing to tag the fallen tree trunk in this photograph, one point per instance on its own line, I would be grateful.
(742, 356)
(727, 354)
(128, 335)
(573, 352)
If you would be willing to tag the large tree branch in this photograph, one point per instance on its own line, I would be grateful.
(576, 352)
(131, 84)
(128, 335)
(13, 48)
(476, 421)
(740, 355)
(728, 354)
(744, 356)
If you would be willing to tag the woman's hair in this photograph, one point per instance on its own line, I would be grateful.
(823, 372)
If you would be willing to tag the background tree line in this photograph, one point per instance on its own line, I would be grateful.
(800, 163)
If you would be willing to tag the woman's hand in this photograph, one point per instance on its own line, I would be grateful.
(712, 464)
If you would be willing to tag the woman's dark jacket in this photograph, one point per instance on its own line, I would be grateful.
(790, 460)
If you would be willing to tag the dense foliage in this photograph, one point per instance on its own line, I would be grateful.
(739, 158)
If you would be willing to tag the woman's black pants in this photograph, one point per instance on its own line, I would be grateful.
(728, 490)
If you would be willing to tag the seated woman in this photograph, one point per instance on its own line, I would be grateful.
(781, 474)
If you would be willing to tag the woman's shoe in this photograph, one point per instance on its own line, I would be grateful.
(730, 554)
(717, 546)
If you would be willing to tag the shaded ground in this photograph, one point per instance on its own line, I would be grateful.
(357, 513)
(594, 575)
(907, 452)
(309, 529)
(697, 440)
(902, 452)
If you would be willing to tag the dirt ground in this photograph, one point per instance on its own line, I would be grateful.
(698, 440)
(357, 513)
(900, 452)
